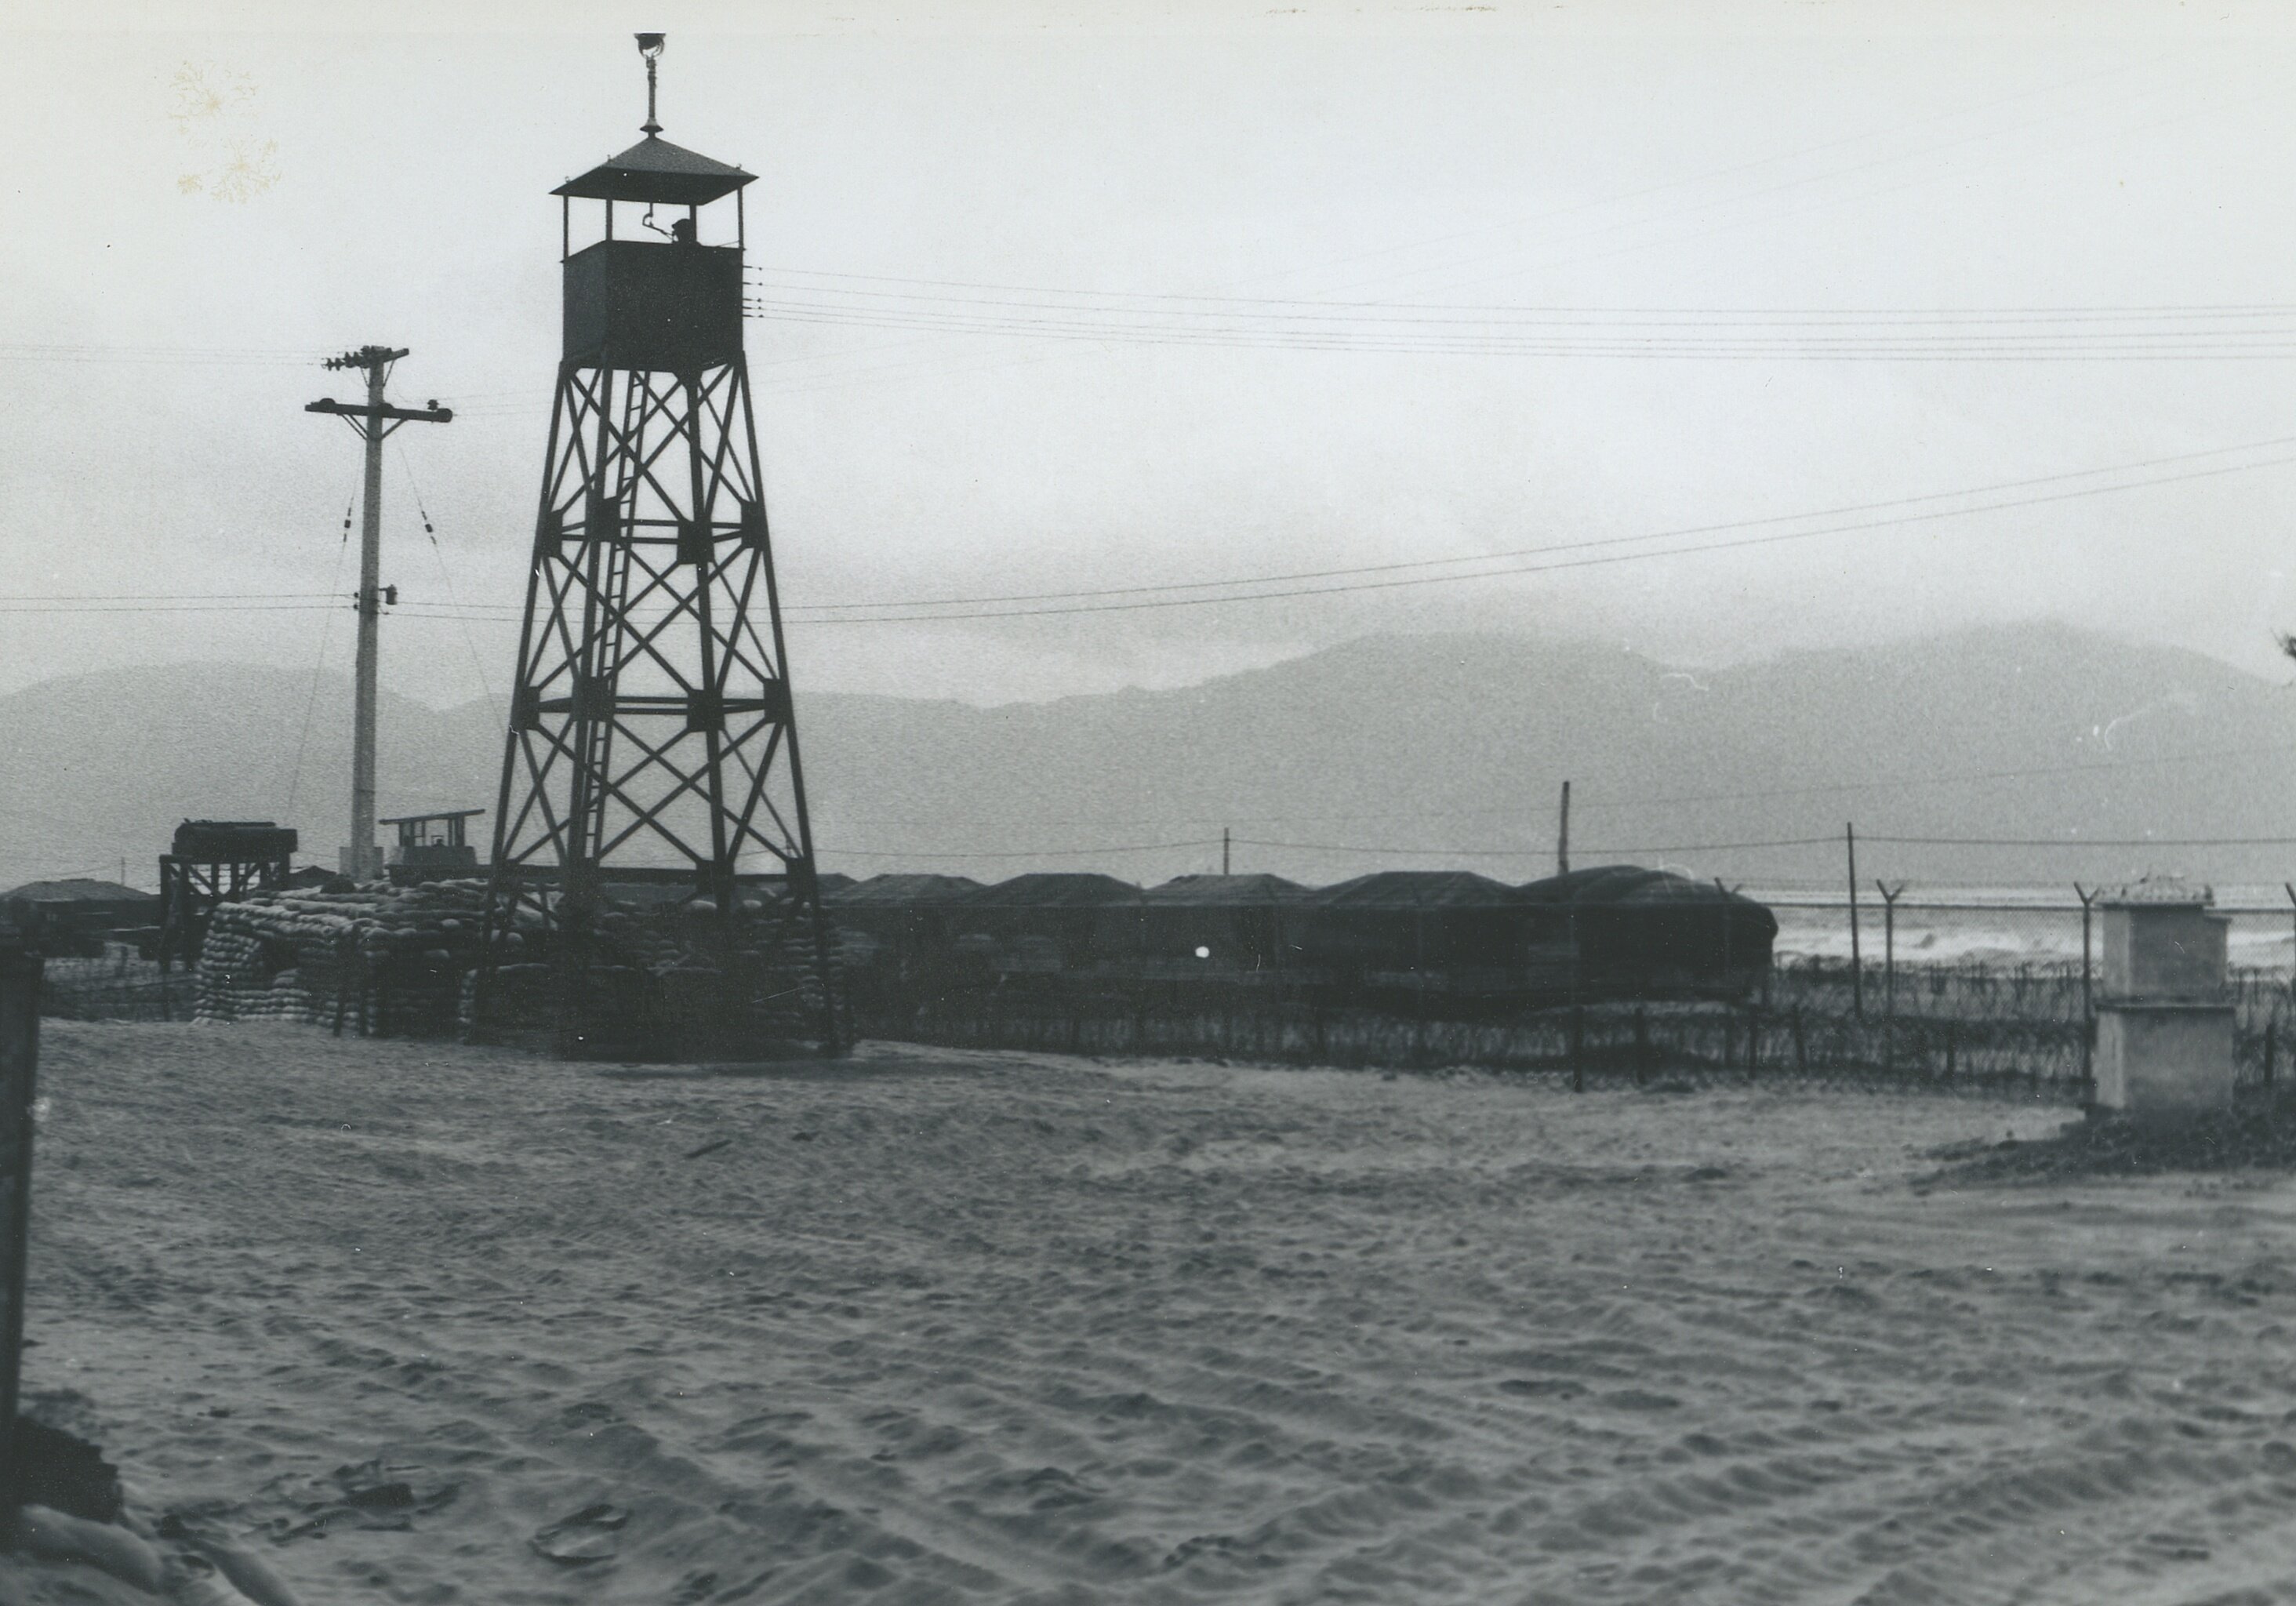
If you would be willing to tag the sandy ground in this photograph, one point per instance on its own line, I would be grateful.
(936, 1327)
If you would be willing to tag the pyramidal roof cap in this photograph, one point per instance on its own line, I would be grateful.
(654, 169)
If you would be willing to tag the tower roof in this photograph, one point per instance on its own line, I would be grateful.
(654, 169)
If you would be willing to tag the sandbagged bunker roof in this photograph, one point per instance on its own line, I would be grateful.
(1417, 889)
(1049, 890)
(1224, 892)
(903, 888)
(76, 891)
(1628, 887)
(1625, 884)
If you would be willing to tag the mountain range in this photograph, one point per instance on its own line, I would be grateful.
(1388, 752)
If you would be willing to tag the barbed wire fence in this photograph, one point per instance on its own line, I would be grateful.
(1971, 995)
(119, 985)
(1988, 994)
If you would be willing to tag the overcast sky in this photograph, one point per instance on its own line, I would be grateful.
(1078, 298)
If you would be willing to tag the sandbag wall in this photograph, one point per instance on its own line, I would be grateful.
(672, 983)
(381, 960)
(404, 961)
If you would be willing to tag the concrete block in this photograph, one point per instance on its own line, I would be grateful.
(2172, 953)
(2164, 1061)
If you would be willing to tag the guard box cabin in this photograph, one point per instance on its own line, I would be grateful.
(432, 848)
(660, 299)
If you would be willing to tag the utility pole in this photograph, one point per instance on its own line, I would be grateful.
(362, 859)
(1224, 846)
(1562, 839)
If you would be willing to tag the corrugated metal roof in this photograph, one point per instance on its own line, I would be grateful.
(654, 169)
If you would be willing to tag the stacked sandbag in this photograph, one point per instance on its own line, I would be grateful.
(671, 982)
(406, 962)
(391, 959)
(236, 967)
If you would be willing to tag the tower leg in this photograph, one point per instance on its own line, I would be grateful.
(653, 834)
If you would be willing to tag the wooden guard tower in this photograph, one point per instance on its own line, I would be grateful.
(214, 862)
(650, 728)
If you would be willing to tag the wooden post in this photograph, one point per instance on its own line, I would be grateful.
(1562, 836)
(19, 1055)
(1856, 961)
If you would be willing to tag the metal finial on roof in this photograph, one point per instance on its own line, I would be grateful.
(650, 46)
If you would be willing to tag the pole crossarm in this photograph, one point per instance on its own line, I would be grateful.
(359, 412)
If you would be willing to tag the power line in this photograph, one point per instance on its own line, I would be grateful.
(2038, 312)
(1143, 597)
(2273, 344)
(246, 607)
(932, 367)
(310, 702)
(1976, 324)
(1522, 569)
(486, 688)
(1683, 533)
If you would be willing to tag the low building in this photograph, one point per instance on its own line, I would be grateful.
(76, 917)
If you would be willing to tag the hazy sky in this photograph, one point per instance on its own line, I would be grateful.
(1091, 297)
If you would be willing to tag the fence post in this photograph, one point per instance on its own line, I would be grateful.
(2290, 888)
(1857, 963)
(2088, 993)
(1889, 896)
(1801, 1044)
(20, 1053)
